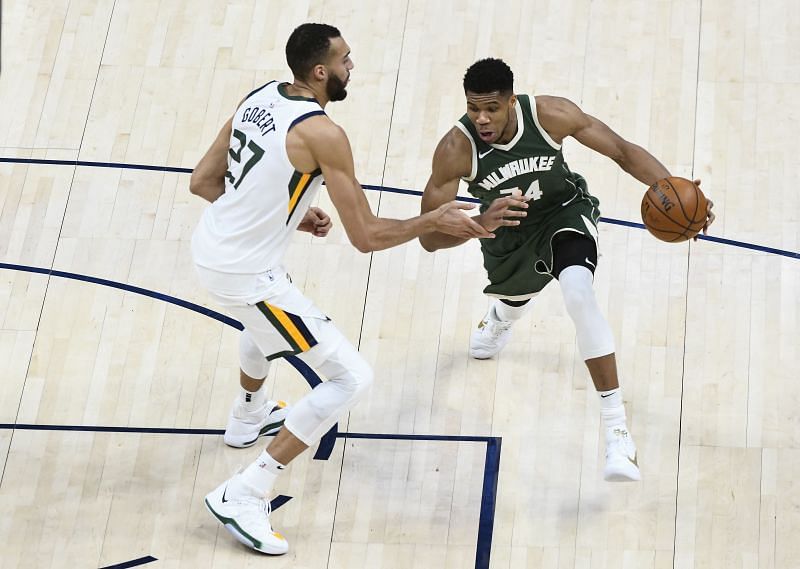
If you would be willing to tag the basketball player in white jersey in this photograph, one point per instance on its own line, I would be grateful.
(261, 174)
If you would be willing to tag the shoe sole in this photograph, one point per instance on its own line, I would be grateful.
(241, 535)
(623, 476)
(269, 429)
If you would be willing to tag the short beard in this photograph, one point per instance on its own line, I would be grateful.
(335, 89)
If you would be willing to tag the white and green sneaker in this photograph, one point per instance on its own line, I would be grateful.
(247, 518)
(622, 464)
(489, 338)
(244, 427)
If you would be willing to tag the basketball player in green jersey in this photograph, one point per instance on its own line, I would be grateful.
(509, 145)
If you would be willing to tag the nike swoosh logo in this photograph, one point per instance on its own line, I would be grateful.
(482, 154)
(570, 200)
(595, 266)
(634, 461)
(601, 395)
(224, 501)
(281, 467)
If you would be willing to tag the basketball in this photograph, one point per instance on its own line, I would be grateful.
(674, 209)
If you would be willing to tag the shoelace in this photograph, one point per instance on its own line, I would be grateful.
(497, 328)
(620, 441)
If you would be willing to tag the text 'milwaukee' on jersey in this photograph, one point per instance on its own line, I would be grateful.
(532, 162)
(247, 229)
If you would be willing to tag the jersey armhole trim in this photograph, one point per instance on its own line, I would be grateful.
(474, 168)
(301, 118)
(542, 131)
(254, 91)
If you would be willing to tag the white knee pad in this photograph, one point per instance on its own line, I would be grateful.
(594, 334)
(348, 378)
(251, 360)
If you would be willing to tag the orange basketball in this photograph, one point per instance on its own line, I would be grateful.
(674, 209)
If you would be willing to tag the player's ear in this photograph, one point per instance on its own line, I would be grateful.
(512, 101)
(319, 72)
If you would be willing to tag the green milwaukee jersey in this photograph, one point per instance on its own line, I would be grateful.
(531, 162)
(519, 260)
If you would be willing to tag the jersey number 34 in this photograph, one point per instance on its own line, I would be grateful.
(533, 192)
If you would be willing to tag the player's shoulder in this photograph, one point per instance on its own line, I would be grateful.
(559, 116)
(320, 129)
(455, 142)
(553, 104)
(453, 155)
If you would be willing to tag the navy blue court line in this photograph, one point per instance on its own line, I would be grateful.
(732, 242)
(132, 563)
(491, 468)
(198, 431)
(96, 164)
(326, 443)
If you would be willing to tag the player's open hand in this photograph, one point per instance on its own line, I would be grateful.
(316, 222)
(505, 211)
(452, 220)
(710, 217)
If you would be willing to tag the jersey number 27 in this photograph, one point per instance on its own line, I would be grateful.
(236, 156)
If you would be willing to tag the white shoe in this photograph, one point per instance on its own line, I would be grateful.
(247, 518)
(490, 337)
(621, 460)
(244, 427)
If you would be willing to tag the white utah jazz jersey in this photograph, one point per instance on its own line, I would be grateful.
(247, 229)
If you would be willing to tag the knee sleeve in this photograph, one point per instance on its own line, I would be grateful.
(251, 360)
(593, 332)
(348, 376)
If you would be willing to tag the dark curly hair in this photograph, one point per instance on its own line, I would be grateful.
(308, 46)
(488, 75)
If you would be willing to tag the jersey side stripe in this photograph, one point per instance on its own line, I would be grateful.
(302, 181)
(299, 339)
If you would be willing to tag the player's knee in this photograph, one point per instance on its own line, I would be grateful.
(576, 287)
(251, 359)
(349, 372)
(361, 379)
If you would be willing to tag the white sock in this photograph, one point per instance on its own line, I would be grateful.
(259, 478)
(503, 312)
(612, 409)
(253, 400)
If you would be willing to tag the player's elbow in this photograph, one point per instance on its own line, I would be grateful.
(428, 243)
(362, 243)
(198, 185)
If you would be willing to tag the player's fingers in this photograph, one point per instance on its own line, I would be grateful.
(515, 201)
(462, 205)
(477, 229)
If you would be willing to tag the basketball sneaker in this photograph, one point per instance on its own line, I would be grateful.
(244, 427)
(490, 337)
(621, 460)
(246, 517)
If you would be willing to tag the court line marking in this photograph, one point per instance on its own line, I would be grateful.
(493, 444)
(125, 166)
(491, 468)
(132, 563)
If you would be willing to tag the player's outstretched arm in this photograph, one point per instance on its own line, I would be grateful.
(561, 118)
(208, 177)
(330, 147)
(452, 160)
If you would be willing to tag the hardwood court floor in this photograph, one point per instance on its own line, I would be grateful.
(707, 332)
